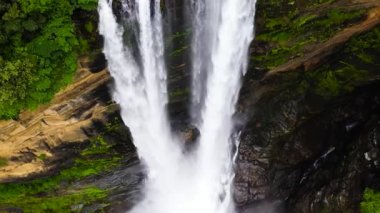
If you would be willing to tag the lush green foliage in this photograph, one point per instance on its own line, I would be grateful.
(38, 51)
(371, 201)
(47, 195)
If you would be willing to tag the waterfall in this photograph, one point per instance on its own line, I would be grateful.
(204, 24)
(140, 89)
(176, 182)
(223, 29)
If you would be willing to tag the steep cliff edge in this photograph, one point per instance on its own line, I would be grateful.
(63, 121)
(309, 142)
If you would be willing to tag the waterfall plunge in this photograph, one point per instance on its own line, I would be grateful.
(223, 29)
(179, 183)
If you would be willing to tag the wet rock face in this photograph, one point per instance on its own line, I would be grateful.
(96, 63)
(312, 160)
(190, 134)
(335, 180)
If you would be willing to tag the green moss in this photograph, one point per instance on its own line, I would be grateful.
(179, 51)
(331, 80)
(179, 93)
(336, 17)
(316, 2)
(98, 146)
(177, 43)
(301, 21)
(54, 203)
(286, 36)
(366, 48)
(179, 36)
(371, 201)
(42, 157)
(355, 64)
(3, 162)
(330, 83)
(114, 126)
(41, 195)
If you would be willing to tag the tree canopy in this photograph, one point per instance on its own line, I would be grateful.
(38, 50)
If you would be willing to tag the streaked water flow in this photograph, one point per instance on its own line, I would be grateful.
(222, 31)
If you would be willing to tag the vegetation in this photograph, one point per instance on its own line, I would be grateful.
(178, 93)
(3, 162)
(355, 65)
(286, 29)
(178, 40)
(366, 49)
(69, 202)
(53, 194)
(371, 201)
(42, 157)
(329, 82)
(38, 50)
(358, 62)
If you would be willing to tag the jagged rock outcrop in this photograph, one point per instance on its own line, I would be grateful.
(304, 153)
(315, 161)
(41, 132)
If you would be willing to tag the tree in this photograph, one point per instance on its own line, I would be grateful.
(38, 51)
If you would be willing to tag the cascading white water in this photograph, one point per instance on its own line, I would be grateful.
(176, 182)
(205, 26)
(231, 23)
(141, 93)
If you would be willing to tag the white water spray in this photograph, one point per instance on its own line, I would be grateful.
(205, 22)
(178, 183)
(231, 23)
